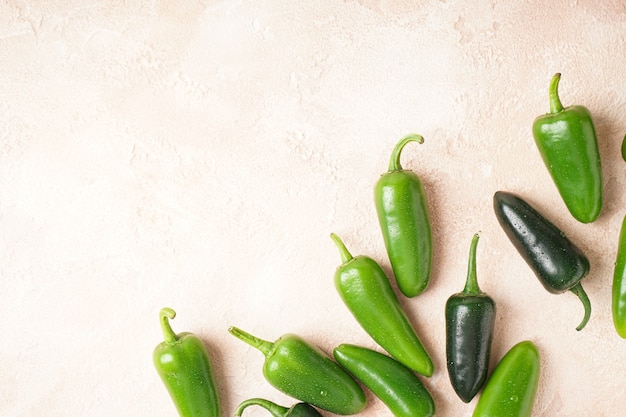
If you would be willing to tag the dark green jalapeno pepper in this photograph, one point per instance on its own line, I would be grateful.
(366, 291)
(619, 284)
(512, 387)
(624, 148)
(470, 320)
(183, 364)
(558, 263)
(393, 383)
(296, 410)
(305, 372)
(566, 139)
(405, 223)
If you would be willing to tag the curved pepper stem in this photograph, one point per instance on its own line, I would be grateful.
(346, 256)
(394, 162)
(274, 409)
(555, 101)
(582, 295)
(263, 345)
(471, 284)
(165, 315)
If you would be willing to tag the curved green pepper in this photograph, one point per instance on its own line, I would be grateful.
(511, 388)
(619, 284)
(624, 148)
(366, 291)
(303, 371)
(405, 223)
(183, 364)
(556, 261)
(470, 320)
(393, 383)
(566, 139)
(296, 410)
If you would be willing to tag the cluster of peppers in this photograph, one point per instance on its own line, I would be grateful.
(567, 143)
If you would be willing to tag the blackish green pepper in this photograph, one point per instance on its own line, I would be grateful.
(566, 139)
(393, 383)
(558, 263)
(303, 371)
(405, 223)
(470, 320)
(183, 364)
(296, 410)
(366, 291)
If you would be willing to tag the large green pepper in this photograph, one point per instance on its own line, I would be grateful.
(296, 410)
(511, 388)
(470, 320)
(366, 291)
(619, 284)
(183, 364)
(303, 371)
(557, 262)
(405, 223)
(566, 139)
(393, 383)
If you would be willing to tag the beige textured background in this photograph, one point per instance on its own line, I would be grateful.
(197, 154)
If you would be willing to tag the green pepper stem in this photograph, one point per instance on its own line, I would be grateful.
(263, 345)
(555, 101)
(274, 409)
(346, 256)
(580, 292)
(165, 315)
(471, 283)
(394, 161)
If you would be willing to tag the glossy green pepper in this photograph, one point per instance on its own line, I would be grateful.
(619, 284)
(183, 364)
(566, 139)
(296, 410)
(470, 321)
(305, 372)
(393, 383)
(624, 148)
(405, 223)
(512, 387)
(366, 291)
(557, 262)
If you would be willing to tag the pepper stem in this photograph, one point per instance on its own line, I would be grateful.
(394, 161)
(346, 256)
(555, 101)
(471, 283)
(580, 292)
(165, 315)
(263, 345)
(274, 409)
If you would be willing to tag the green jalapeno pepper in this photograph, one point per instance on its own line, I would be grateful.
(366, 291)
(557, 262)
(405, 223)
(567, 142)
(511, 388)
(183, 364)
(619, 284)
(393, 383)
(624, 148)
(470, 320)
(296, 410)
(305, 372)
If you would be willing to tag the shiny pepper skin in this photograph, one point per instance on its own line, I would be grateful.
(296, 410)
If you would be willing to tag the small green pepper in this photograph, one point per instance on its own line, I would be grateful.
(470, 320)
(511, 388)
(303, 371)
(619, 284)
(296, 410)
(566, 139)
(183, 364)
(405, 223)
(366, 291)
(624, 148)
(556, 261)
(393, 383)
